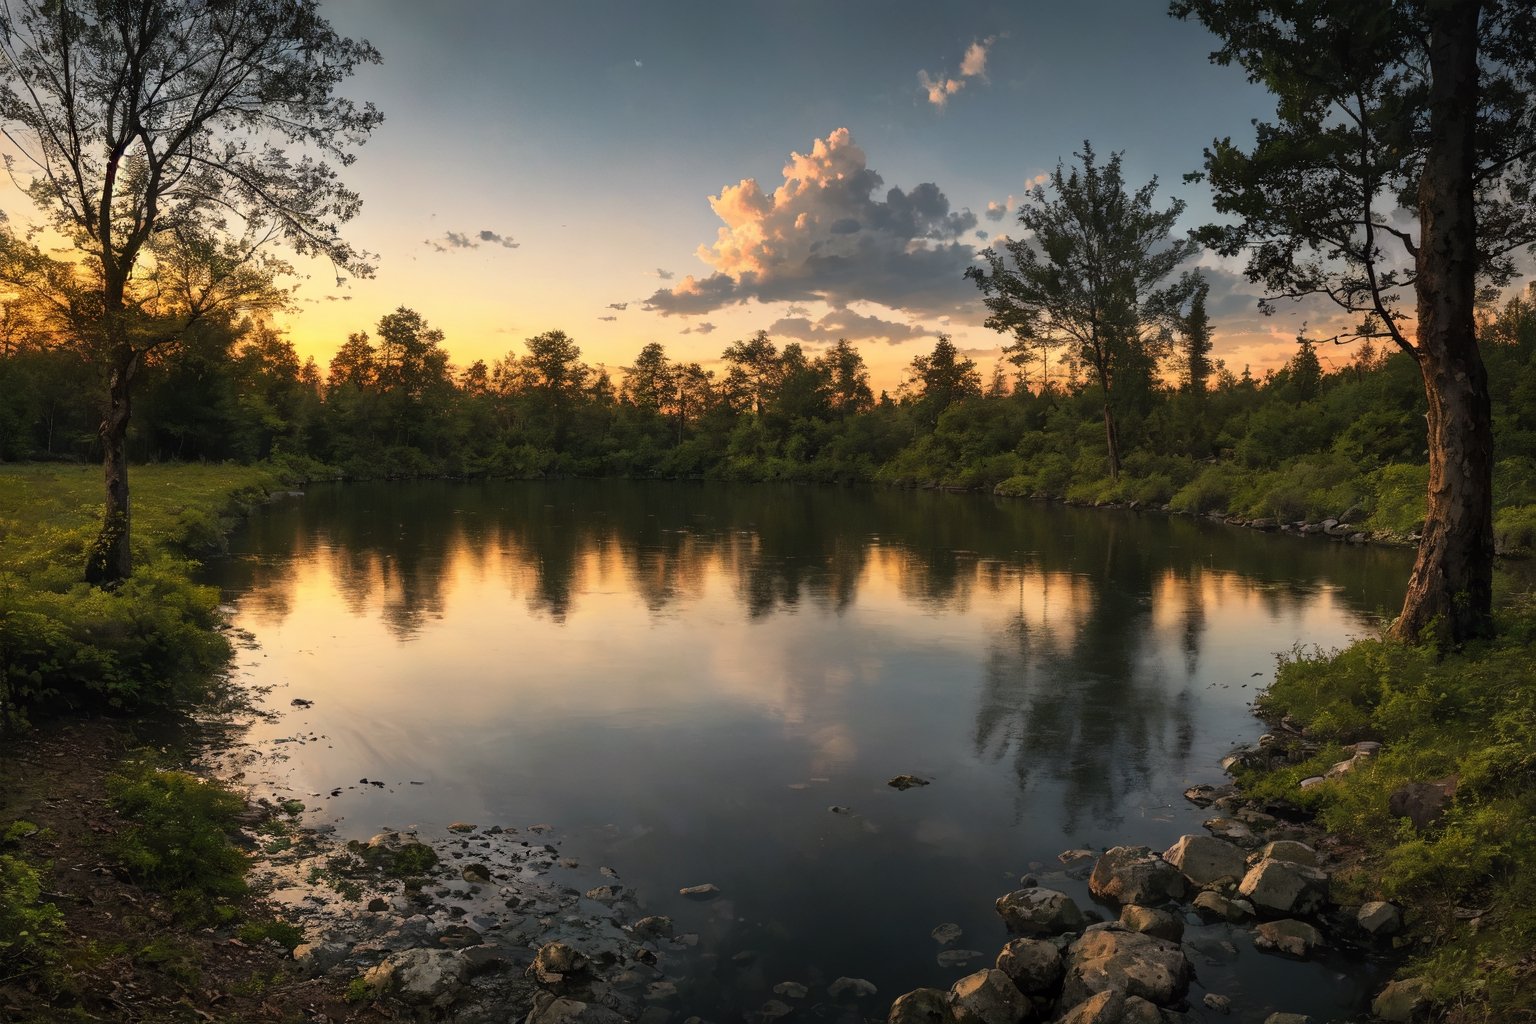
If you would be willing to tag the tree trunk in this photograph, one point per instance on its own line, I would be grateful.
(1112, 438)
(110, 560)
(1450, 593)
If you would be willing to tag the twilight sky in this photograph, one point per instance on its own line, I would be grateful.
(690, 172)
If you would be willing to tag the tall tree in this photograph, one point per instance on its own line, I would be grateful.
(132, 118)
(754, 374)
(1195, 327)
(940, 379)
(847, 379)
(1088, 270)
(1402, 156)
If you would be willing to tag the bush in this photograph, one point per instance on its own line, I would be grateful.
(178, 842)
(1514, 531)
(29, 927)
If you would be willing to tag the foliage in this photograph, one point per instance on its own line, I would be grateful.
(178, 840)
(29, 926)
(1469, 715)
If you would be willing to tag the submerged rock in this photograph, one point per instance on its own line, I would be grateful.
(707, 891)
(853, 988)
(946, 933)
(905, 782)
(1291, 937)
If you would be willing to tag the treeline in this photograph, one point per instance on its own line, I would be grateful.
(1305, 441)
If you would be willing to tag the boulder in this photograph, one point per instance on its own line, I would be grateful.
(1402, 1001)
(1113, 1007)
(556, 963)
(1136, 963)
(551, 1009)
(920, 1006)
(657, 926)
(1291, 851)
(1206, 859)
(988, 997)
(1231, 830)
(315, 958)
(1135, 874)
(1214, 905)
(1281, 887)
(1291, 937)
(1037, 911)
(1154, 922)
(1216, 1001)
(1422, 802)
(422, 977)
(1377, 919)
(1034, 965)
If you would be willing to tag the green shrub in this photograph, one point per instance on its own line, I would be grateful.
(178, 840)
(1514, 530)
(29, 926)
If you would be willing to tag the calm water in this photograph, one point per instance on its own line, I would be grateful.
(683, 679)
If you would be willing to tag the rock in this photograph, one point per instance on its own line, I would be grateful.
(774, 1009)
(1290, 851)
(1219, 1003)
(483, 959)
(1287, 1018)
(1037, 911)
(556, 962)
(657, 926)
(1215, 905)
(661, 991)
(1072, 857)
(570, 1011)
(1422, 802)
(958, 957)
(1202, 795)
(422, 977)
(605, 893)
(1312, 780)
(1138, 964)
(1377, 919)
(1114, 1007)
(1134, 874)
(1153, 922)
(1034, 965)
(906, 782)
(944, 934)
(1230, 830)
(1366, 748)
(988, 997)
(1206, 859)
(795, 990)
(1344, 767)
(920, 1006)
(1291, 937)
(1402, 1001)
(315, 958)
(476, 874)
(1281, 887)
(707, 891)
(854, 988)
(458, 936)
(460, 826)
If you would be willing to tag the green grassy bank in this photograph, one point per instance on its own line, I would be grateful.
(66, 648)
(1462, 725)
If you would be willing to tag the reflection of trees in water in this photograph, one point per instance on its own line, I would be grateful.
(394, 546)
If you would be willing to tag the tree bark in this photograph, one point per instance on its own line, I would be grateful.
(1112, 439)
(1450, 593)
(110, 560)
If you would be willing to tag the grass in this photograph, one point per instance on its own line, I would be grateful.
(1469, 879)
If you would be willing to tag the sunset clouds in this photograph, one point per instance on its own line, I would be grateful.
(940, 88)
(828, 233)
(452, 240)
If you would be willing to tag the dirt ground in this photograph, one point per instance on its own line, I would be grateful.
(126, 959)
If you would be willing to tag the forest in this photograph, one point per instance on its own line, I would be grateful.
(1336, 432)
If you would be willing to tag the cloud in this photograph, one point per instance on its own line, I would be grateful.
(452, 240)
(997, 209)
(608, 319)
(941, 87)
(704, 328)
(845, 323)
(665, 275)
(981, 236)
(620, 306)
(828, 233)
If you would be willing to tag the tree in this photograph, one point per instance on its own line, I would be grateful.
(1196, 330)
(134, 119)
(1087, 272)
(940, 379)
(1402, 155)
(754, 374)
(847, 379)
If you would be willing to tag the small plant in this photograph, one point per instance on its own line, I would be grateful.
(29, 926)
(179, 840)
(281, 932)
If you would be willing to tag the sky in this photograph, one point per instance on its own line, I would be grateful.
(691, 172)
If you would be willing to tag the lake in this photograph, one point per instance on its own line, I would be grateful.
(708, 683)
